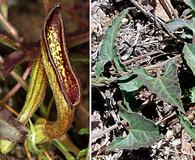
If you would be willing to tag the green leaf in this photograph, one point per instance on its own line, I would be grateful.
(189, 128)
(189, 56)
(166, 87)
(142, 132)
(84, 131)
(177, 23)
(31, 142)
(192, 95)
(10, 128)
(108, 52)
(190, 3)
(83, 154)
(129, 84)
(129, 101)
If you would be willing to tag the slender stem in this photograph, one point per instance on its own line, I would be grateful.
(43, 110)
(27, 151)
(67, 141)
(9, 108)
(49, 107)
(17, 77)
(17, 86)
(47, 155)
(63, 149)
(8, 27)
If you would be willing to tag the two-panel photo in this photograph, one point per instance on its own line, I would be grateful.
(97, 79)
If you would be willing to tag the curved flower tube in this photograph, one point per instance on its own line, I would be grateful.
(52, 65)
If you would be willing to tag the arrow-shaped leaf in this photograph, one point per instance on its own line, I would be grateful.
(142, 132)
(108, 52)
(166, 87)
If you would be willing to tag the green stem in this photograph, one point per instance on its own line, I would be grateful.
(63, 149)
(49, 107)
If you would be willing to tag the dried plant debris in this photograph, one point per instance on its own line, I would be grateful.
(138, 68)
